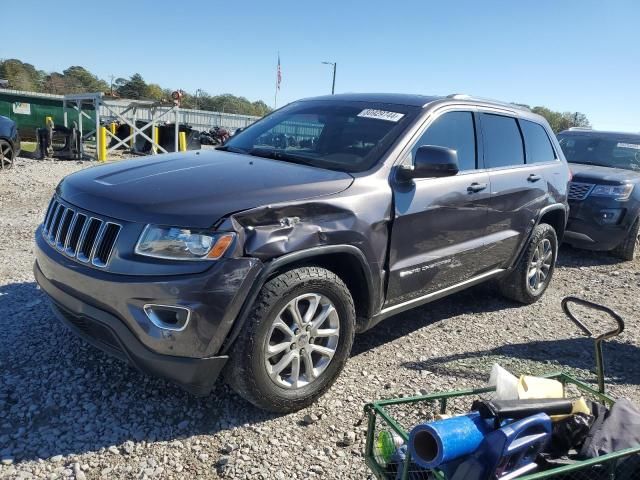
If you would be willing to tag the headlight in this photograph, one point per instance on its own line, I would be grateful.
(175, 243)
(618, 192)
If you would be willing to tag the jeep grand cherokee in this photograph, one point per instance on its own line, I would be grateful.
(262, 259)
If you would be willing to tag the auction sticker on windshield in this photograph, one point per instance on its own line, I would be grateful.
(381, 115)
(628, 145)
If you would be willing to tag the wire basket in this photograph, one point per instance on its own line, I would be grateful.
(389, 422)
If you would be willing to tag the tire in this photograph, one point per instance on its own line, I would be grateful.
(6, 155)
(630, 246)
(520, 285)
(248, 368)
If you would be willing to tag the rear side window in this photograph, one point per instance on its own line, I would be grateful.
(536, 142)
(454, 130)
(502, 141)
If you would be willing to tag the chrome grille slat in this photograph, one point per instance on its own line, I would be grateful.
(63, 230)
(78, 227)
(65, 247)
(106, 244)
(85, 250)
(59, 222)
(53, 229)
(47, 218)
(579, 190)
(86, 238)
(97, 241)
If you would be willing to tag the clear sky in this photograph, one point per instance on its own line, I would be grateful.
(566, 55)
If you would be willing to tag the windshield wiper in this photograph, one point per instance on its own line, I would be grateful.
(279, 155)
(590, 163)
(229, 148)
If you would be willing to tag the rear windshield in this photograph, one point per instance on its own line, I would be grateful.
(345, 136)
(607, 151)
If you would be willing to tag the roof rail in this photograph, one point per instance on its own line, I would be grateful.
(581, 128)
(464, 96)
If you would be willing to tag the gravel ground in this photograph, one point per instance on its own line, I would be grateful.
(67, 410)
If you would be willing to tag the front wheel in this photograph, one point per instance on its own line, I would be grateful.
(630, 246)
(295, 342)
(531, 277)
(6, 155)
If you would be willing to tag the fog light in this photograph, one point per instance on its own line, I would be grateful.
(609, 216)
(168, 317)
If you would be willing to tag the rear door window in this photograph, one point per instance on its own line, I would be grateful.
(537, 143)
(454, 130)
(502, 141)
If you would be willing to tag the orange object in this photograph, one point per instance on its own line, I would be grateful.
(221, 246)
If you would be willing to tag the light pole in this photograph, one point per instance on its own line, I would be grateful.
(333, 85)
(198, 91)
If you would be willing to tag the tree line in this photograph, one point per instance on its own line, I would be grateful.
(76, 79)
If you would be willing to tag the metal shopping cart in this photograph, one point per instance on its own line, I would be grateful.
(393, 418)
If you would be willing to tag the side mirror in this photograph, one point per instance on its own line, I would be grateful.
(431, 161)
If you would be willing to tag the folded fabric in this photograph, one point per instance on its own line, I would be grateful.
(613, 431)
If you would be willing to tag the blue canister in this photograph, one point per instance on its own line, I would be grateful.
(432, 444)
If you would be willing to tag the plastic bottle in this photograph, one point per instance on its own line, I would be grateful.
(506, 384)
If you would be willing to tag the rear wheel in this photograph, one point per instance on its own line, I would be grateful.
(295, 342)
(630, 246)
(6, 154)
(531, 277)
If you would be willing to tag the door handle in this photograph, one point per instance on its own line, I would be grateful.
(476, 187)
(533, 177)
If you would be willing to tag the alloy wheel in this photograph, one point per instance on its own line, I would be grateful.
(302, 341)
(540, 265)
(6, 155)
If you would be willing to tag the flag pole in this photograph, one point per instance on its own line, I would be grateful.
(275, 97)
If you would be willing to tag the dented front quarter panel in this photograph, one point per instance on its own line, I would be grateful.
(357, 217)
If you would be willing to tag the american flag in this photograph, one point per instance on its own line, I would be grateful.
(279, 74)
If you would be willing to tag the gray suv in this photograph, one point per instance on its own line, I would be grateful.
(263, 258)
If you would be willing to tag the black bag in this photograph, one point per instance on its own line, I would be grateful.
(615, 430)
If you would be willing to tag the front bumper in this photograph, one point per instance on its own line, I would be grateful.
(586, 229)
(107, 310)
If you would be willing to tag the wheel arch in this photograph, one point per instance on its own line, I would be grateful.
(555, 215)
(346, 261)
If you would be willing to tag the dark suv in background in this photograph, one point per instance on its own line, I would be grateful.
(604, 194)
(9, 142)
(264, 257)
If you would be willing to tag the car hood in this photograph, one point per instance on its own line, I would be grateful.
(598, 174)
(194, 189)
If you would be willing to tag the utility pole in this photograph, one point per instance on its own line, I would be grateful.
(111, 77)
(333, 84)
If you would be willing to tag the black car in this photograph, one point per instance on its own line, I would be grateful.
(604, 195)
(9, 142)
(263, 258)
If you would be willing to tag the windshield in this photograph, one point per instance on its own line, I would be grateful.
(608, 151)
(345, 136)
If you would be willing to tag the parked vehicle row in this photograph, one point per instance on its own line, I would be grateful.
(260, 260)
(604, 196)
(9, 142)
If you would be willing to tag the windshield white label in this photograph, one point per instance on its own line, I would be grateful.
(381, 115)
(628, 145)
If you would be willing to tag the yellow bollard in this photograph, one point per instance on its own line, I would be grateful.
(155, 138)
(48, 120)
(182, 141)
(102, 144)
(112, 128)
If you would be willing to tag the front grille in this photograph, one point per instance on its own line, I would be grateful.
(81, 236)
(579, 191)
